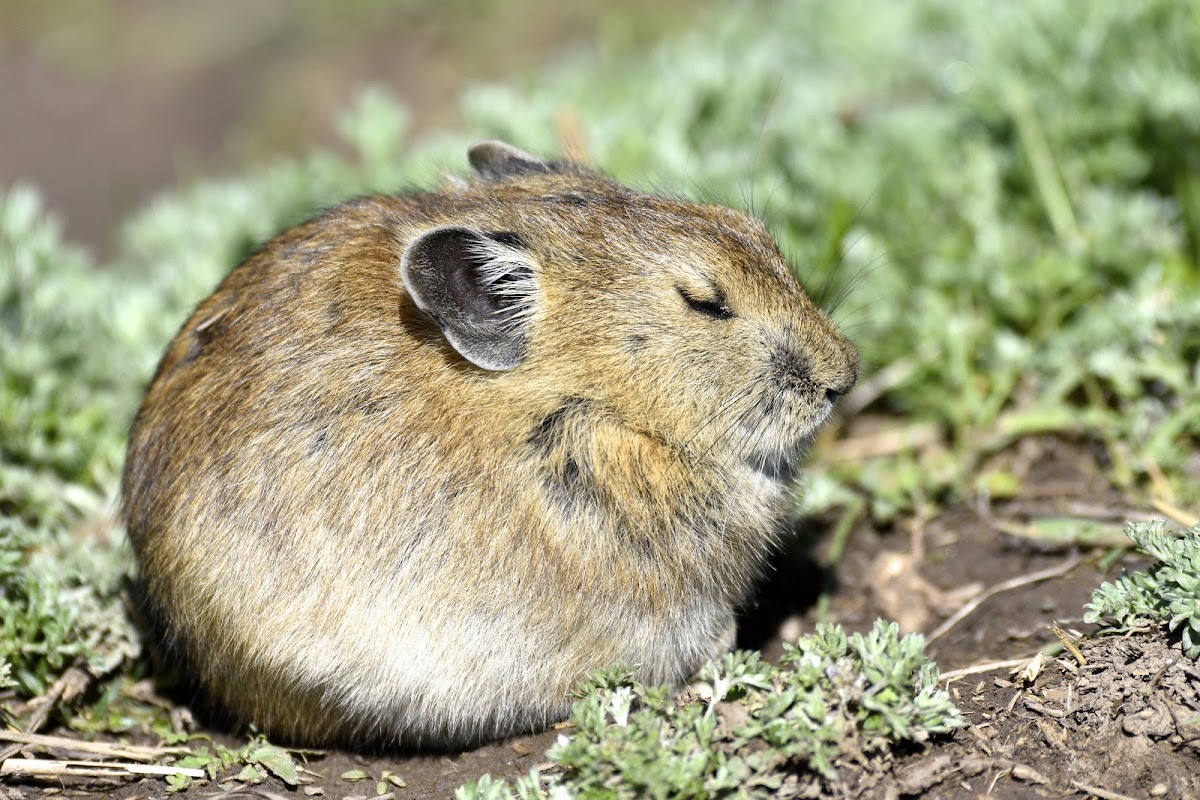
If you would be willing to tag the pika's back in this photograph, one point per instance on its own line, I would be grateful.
(421, 463)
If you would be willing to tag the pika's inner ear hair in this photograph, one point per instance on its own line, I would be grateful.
(479, 288)
(495, 160)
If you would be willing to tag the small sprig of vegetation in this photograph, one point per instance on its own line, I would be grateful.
(60, 606)
(258, 759)
(1168, 593)
(757, 729)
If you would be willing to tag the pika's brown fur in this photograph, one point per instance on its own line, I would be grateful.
(423, 462)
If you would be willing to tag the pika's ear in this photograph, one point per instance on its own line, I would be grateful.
(494, 160)
(480, 289)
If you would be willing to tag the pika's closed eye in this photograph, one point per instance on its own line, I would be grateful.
(712, 307)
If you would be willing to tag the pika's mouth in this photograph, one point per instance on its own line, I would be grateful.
(781, 463)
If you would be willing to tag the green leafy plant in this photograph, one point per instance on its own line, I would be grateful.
(1168, 593)
(527, 787)
(755, 726)
(258, 759)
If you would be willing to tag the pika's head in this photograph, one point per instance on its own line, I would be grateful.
(682, 320)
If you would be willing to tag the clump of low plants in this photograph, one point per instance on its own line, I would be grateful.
(259, 759)
(752, 728)
(1166, 594)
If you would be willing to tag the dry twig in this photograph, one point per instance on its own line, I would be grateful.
(42, 768)
(126, 751)
(1004, 586)
(979, 669)
(871, 390)
(1069, 643)
(1102, 793)
(1184, 518)
(897, 439)
(69, 685)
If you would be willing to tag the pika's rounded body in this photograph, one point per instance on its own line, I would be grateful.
(422, 463)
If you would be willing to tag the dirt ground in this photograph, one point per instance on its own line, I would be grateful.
(1115, 717)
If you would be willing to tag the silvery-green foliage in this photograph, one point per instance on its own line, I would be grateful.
(759, 723)
(52, 308)
(60, 441)
(1167, 593)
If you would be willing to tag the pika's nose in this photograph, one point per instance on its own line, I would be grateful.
(829, 364)
(840, 371)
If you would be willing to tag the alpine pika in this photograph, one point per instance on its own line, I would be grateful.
(423, 462)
